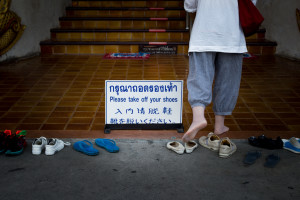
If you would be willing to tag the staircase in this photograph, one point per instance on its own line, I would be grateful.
(129, 26)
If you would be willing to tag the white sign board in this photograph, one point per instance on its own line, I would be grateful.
(143, 102)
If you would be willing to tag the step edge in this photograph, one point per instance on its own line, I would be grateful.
(50, 42)
(122, 8)
(110, 30)
(125, 0)
(116, 18)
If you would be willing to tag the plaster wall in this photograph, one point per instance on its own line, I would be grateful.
(39, 16)
(281, 25)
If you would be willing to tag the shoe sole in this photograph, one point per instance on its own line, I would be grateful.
(13, 153)
(180, 153)
(226, 155)
(86, 153)
(50, 152)
(208, 147)
(106, 148)
(190, 150)
(37, 151)
(297, 152)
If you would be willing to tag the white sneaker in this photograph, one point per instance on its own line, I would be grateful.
(227, 148)
(176, 146)
(55, 145)
(38, 145)
(211, 141)
(190, 146)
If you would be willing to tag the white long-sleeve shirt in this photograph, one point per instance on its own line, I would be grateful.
(216, 27)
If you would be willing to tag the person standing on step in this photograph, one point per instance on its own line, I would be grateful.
(216, 48)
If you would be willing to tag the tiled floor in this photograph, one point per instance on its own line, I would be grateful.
(63, 96)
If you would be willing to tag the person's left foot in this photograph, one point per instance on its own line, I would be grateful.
(196, 126)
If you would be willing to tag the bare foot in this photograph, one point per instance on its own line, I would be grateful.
(193, 130)
(222, 130)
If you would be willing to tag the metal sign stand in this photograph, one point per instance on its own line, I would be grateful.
(109, 127)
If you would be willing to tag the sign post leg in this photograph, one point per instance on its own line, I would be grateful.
(180, 129)
(106, 129)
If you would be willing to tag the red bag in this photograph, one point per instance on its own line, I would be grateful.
(250, 17)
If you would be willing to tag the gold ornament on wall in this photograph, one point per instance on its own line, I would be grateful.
(298, 17)
(10, 27)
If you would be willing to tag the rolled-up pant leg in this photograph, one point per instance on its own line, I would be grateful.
(228, 71)
(200, 79)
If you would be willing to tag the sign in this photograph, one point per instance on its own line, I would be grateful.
(159, 49)
(143, 102)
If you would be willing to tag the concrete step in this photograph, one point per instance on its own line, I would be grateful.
(61, 34)
(95, 47)
(125, 12)
(120, 35)
(261, 46)
(260, 34)
(122, 23)
(128, 3)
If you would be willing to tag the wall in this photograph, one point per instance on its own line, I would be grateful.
(281, 25)
(39, 16)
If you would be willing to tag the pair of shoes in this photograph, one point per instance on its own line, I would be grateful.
(87, 148)
(265, 142)
(51, 146)
(252, 156)
(293, 144)
(179, 148)
(272, 160)
(3, 141)
(224, 146)
(12, 143)
(107, 144)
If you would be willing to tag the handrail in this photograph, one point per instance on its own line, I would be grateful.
(189, 21)
(298, 17)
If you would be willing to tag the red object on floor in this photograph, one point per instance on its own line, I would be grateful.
(126, 56)
(156, 8)
(159, 19)
(157, 30)
(7, 132)
(158, 43)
